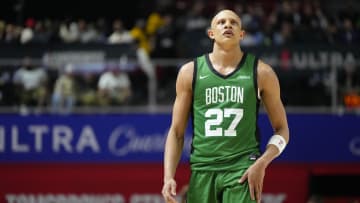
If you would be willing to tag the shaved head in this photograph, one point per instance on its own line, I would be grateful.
(225, 13)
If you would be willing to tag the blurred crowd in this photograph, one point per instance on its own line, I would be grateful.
(36, 89)
(172, 30)
(165, 31)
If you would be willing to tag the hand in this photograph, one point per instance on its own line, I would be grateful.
(255, 177)
(169, 191)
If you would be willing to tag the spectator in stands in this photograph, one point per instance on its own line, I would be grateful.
(114, 87)
(87, 32)
(41, 34)
(63, 98)
(12, 33)
(101, 29)
(6, 87)
(310, 28)
(165, 38)
(69, 32)
(285, 13)
(284, 35)
(348, 34)
(195, 18)
(31, 83)
(27, 33)
(87, 88)
(51, 30)
(154, 22)
(141, 38)
(119, 34)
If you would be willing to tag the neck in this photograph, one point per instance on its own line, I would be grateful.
(226, 56)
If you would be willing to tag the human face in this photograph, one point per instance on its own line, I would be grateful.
(226, 26)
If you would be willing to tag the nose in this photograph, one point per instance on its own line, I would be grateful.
(227, 24)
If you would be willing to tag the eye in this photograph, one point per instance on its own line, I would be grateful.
(222, 21)
(234, 22)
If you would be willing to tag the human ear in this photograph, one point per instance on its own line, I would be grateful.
(210, 34)
(242, 34)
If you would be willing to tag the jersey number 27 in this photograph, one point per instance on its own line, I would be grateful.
(213, 126)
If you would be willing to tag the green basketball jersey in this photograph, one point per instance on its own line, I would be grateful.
(224, 114)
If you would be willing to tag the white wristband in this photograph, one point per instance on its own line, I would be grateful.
(278, 141)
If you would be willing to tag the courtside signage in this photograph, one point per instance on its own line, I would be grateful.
(141, 138)
(83, 138)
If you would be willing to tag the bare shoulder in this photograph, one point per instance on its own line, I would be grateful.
(186, 72)
(187, 68)
(185, 75)
(265, 69)
(266, 74)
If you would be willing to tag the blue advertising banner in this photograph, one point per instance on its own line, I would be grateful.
(323, 138)
(141, 138)
(129, 137)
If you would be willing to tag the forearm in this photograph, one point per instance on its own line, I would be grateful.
(272, 151)
(268, 156)
(173, 150)
(283, 130)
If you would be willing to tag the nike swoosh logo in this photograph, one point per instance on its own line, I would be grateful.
(203, 76)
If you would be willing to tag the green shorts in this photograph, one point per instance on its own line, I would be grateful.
(218, 187)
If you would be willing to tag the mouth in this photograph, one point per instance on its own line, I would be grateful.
(228, 33)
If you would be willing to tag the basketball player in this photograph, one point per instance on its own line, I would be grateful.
(222, 91)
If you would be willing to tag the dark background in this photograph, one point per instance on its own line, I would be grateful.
(17, 10)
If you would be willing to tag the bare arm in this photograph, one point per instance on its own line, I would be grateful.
(270, 94)
(175, 138)
(269, 86)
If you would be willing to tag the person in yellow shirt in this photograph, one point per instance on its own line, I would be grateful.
(140, 36)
